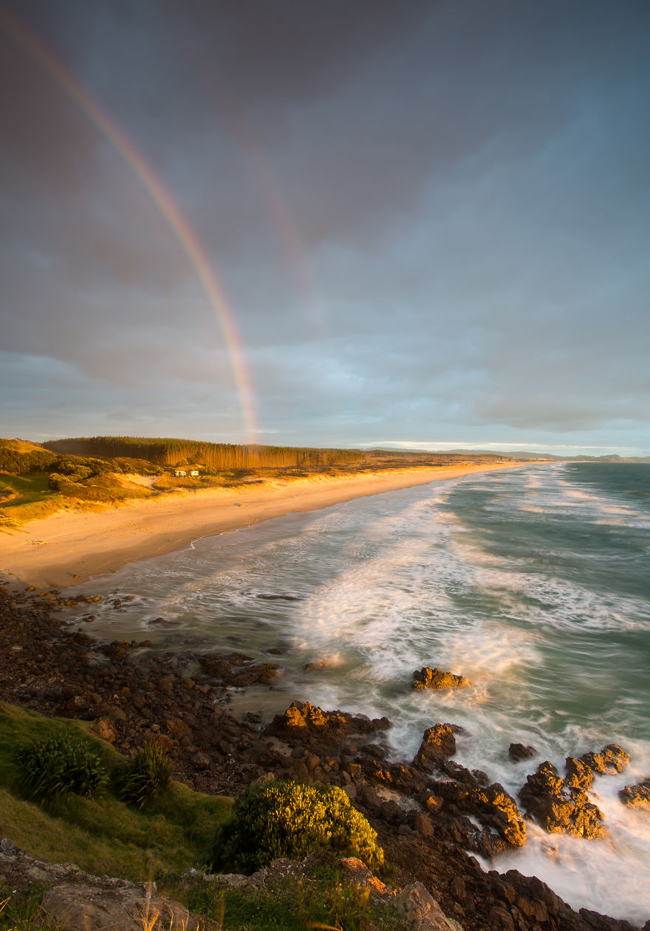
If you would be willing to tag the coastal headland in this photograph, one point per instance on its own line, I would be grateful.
(70, 547)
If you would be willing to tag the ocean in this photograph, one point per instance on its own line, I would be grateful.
(533, 582)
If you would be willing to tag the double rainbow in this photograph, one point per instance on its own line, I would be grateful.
(177, 222)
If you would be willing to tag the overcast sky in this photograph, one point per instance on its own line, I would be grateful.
(431, 221)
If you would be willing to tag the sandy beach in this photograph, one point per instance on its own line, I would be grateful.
(71, 547)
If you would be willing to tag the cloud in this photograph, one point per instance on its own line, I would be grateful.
(423, 215)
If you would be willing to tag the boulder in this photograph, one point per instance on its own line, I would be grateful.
(578, 774)
(611, 759)
(438, 743)
(637, 796)
(105, 729)
(421, 910)
(561, 808)
(318, 664)
(238, 670)
(358, 873)
(518, 752)
(306, 721)
(492, 805)
(80, 907)
(435, 678)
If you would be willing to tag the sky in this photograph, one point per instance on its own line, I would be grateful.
(327, 223)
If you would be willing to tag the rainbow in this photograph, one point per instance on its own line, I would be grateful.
(177, 222)
(271, 192)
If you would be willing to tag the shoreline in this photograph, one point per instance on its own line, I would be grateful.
(432, 815)
(69, 548)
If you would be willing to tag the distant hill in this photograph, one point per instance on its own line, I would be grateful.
(20, 457)
(526, 455)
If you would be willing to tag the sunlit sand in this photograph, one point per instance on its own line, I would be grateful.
(69, 548)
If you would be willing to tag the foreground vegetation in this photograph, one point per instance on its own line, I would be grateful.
(320, 897)
(60, 802)
(280, 819)
(101, 834)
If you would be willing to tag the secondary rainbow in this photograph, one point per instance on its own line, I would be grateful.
(177, 223)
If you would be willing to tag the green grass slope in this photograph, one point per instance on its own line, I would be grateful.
(102, 835)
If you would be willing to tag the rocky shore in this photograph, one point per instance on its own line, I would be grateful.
(431, 814)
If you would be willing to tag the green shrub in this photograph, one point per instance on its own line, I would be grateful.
(145, 776)
(55, 766)
(288, 820)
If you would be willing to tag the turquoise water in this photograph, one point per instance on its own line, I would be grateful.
(533, 582)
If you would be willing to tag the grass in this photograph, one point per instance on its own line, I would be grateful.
(321, 898)
(102, 835)
(33, 499)
(22, 911)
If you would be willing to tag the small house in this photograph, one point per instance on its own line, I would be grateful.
(180, 473)
(194, 473)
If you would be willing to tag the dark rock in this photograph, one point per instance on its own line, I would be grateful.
(390, 811)
(373, 750)
(105, 729)
(560, 808)
(602, 922)
(435, 678)
(370, 799)
(438, 743)
(492, 805)
(306, 721)
(421, 823)
(487, 844)
(202, 761)
(578, 774)
(611, 759)
(272, 597)
(318, 664)
(457, 772)
(637, 796)
(394, 775)
(518, 752)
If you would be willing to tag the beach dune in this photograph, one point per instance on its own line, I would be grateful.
(70, 547)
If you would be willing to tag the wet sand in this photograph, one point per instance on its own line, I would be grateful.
(71, 547)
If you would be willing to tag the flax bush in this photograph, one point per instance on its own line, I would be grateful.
(55, 766)
(284, 819)
(145, 776)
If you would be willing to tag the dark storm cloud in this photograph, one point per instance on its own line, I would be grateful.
(468, 185)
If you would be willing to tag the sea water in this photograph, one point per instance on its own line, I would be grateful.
(533, 582)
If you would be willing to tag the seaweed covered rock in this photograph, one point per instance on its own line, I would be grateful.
(436, 678)
(284, 819)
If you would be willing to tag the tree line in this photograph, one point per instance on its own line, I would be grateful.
(218, 456)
